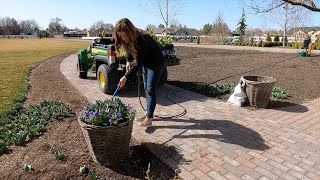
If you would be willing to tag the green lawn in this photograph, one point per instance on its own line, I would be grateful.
(17, 56)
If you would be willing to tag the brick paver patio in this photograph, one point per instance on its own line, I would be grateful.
(215, 140)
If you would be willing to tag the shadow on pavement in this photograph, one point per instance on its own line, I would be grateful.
(177, 95)
(289, 107)
(229, 132)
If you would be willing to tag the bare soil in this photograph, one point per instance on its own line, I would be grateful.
(47, 82)
(299, 76)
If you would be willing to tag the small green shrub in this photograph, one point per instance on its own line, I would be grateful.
(58, 154)
(276, 38)
(19, 138)
(278, 93)
(215, 89)
(318, 39)
(29, 122)
(221, 89)
(89, 172)
(3, 146)
(27, 168)
(297, 45)
(268, 38)
(316, 45)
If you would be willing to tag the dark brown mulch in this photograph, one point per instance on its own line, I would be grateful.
(47, 83)
(299, 76)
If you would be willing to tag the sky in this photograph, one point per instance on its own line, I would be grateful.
(83, 13)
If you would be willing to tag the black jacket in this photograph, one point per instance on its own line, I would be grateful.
(149, 54)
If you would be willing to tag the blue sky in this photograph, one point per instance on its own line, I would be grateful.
(83, 13)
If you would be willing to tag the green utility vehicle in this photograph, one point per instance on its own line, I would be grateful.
(100, 58)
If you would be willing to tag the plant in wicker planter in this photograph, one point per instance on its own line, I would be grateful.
(107, 127)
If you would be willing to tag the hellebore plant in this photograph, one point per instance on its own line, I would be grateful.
(111, 112)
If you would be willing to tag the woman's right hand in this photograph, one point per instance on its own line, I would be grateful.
(128, 66)
(122, 82)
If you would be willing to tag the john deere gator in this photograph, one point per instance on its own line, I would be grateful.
(100, 58)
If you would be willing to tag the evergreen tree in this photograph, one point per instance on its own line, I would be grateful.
(276, 38)
(242, 26)
(207, 28)
(268, 38)
(161, 26)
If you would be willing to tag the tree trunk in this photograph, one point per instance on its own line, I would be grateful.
(167, 21)
(285, 26)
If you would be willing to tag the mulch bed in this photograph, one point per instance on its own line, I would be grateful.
(299, 76)
(48, 83)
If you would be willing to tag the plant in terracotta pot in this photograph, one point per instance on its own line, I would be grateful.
(107, 127)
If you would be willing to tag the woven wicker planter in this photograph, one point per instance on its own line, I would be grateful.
(107, 145)
(258, 90)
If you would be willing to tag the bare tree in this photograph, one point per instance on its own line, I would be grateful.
(99, 27)
(175, 23)
(167, 9)
(56, 26)
(76, 29)
(151, 26)
(268, 5)
(219, 28)
(3, 26)
(9, 26)
(253, 31)
(29, 25)
(288, 16)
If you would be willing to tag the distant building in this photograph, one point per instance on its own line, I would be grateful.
(304, 29)
(74, 34)
(299, 35)
(29, 33)
(176, 32)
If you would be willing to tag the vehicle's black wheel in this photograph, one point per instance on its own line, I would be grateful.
(107, 78)
(164, 77)
(81, 74)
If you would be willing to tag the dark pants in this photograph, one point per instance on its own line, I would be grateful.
(150, 79)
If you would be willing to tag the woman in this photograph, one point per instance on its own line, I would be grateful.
(148, 57)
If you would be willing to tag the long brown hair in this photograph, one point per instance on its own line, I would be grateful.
(125, 25)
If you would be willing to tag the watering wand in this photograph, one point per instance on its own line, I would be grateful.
(116, 91)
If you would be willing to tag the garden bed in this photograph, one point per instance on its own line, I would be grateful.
(64, 140)
(299, 76)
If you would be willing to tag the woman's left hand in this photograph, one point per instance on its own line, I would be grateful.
(122, 82)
